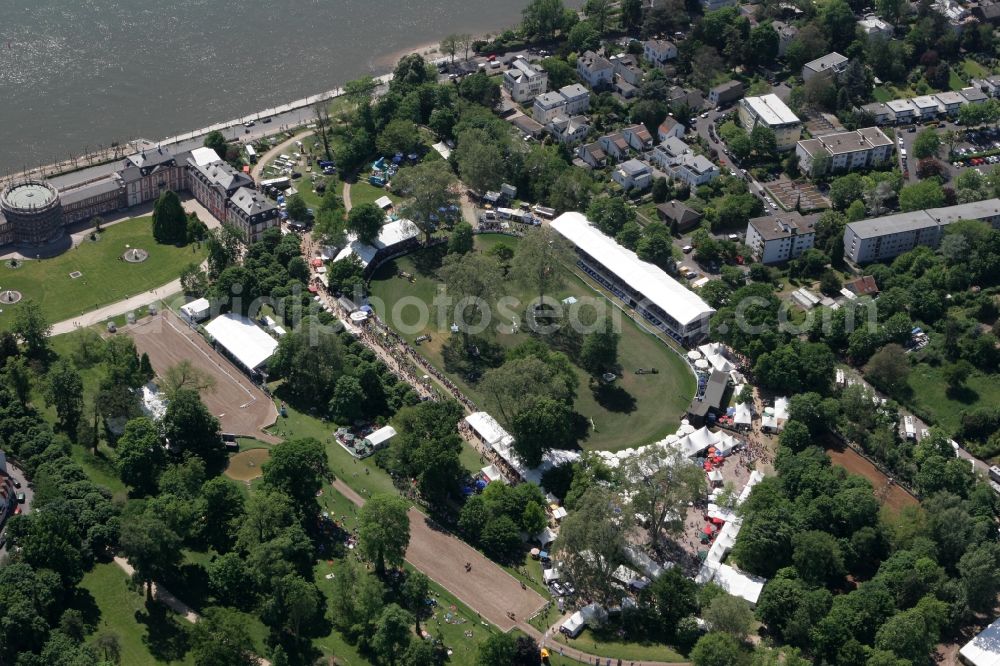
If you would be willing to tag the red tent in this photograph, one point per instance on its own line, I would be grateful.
(317, 262)
(708, 465)
(313, 289)
(718, 521)
(707, 530)
(719, 460)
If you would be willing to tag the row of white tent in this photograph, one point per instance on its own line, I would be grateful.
(498, 439)
(688, 440)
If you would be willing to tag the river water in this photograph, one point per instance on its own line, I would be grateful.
(75, 74)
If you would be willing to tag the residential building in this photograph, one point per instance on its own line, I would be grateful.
(786, 33)
(213, 184)
(881, 113)
(948, 102)
(775, 239)
(832, 64)
(547, 106)
(668, 151)
(615, 146)
(987, 12)
(623, 87)
(678, 216)
(845, 151)
(769, 111)
(677, 97)
(926, 107)
(872, 25)
(252, 213)
(693, 169)
(592, 155)
(714, 5)
(569, 130)
(883, 238)
(989, 85)
(903, 110)
(638, 137)
(726, 93)
(577, 99)
(524, 81)
(633, 175)
(628, 68)
(95, 198)
(670, 127)
(660, 299)
(972, 95)
(595, 69)
(863, 286)
(658, 51)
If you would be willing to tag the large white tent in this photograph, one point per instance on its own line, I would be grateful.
(498, 439)
(392, 234)
(197, 309)
(245, 341)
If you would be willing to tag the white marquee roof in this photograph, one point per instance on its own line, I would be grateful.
(651, 281)
(391, 234)
(242, 338)
(984, 649)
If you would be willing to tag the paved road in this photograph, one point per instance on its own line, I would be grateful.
(263, 160)
(29, 494)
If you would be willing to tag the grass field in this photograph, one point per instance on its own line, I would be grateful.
(589, 643)
(159, 637)
(646, 408)
(931, 397)
(363, 192)
(974, 69)
(105, 279)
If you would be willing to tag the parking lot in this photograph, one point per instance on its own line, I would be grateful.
(975, 142)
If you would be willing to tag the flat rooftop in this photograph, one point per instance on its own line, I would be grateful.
(29, 195)
(771, 110)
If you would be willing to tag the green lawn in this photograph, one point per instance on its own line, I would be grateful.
(648, 406)
(590, 644)
(159, 637)
(931, 397)
(881, 94)
(955, 82)
(974, 69)
(363, 192)
(105, 278)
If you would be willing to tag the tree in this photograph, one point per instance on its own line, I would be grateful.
(540, 260)
(32, 328)
(461, 239)
(592, 537)
(415, 593)
(64, 391)
(817, 557)
(152, 547)
(169, 219)
(478, 158)
(481, 89)
(631, 15)
(599, 352)
(927, 144)
(845, 190)
(348, 401)
(392, 634)
(610, 214)
(296, 208)
(921, 195)
(383, 531)
(184, 375)
(496, 650)
(717, 649)
(321, 113)
(544, 424)
(571, 191)
(399, 136)
(298, 468)
(217, 142)
(584, 36)
(220, 638)
(139, 455)
(888, 369)
(730, 615)
(542, 18)
(957, 373)
(430, 187)
(472, 280)
(662, 485)
(980, 575)
(449, 46)
(190, 428)
(294, 603)
(365, 221)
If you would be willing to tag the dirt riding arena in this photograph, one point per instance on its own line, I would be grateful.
(241, 407)
(889, 494)
(246, 465)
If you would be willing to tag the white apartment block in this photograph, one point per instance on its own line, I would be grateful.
(780, 238)
(883, 238)
(847, 151)
(523, 81)
(769, 111)
(658, 51)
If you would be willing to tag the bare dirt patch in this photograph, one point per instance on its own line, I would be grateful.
(241, 407)
(246, 465)
(889, 494)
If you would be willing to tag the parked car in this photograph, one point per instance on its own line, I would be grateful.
(17, 484)
(20, 498)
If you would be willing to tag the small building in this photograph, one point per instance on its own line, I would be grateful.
(658, 51)
(678, 216)
(984, 648)
(669, 151)
(595, 70)
(615, 146)
(710, 400)
(871, 25)
(903, 110)
(786, 34)
(670, 127)
(973, 95)
(196, 310)
(638, 137)
(863, 286)
(577, 98)
(592, 155)
(527, 125)
(625, 89)
(627, 68)
(927, 107)
(569, 130)
(769, 111)
(547, 106)
(832, 64)
(881, 113)
(524, 81)
(633, 175)
(715, 5)
(242, 340)
(775, 239)
(726, 93)
(693, 169)
(380, 437)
